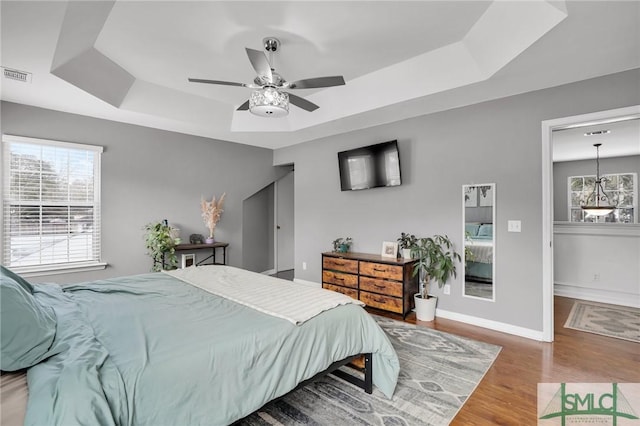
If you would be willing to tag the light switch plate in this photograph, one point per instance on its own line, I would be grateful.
(514, 226)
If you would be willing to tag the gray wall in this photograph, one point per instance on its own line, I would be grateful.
(150, 175)
(258, 230)
(479, 214)
(497, 141)
(562, 171)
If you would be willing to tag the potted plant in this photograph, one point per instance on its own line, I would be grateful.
(161, 240)
(211, 212)
(435, 261)
(342, 245)
(405, 242)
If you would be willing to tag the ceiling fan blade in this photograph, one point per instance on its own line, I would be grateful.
(224, 83)
(259, 62)
(302, 103)
(313, 83)
(244, 106)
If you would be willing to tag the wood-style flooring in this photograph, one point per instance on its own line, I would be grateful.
(507, 395)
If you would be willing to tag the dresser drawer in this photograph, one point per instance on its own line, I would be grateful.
(381, 270)
(377, 285)
(387, 303)
(338, 264)
(339, 278)
(351, 292)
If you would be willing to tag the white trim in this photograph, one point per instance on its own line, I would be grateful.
(275, 225)
(68, 145)
(492, 325)
(547, 199)
(307, 283)
(600, 229)
(576, 291)
(39, 271)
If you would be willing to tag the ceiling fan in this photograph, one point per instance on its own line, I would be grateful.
(268, 100)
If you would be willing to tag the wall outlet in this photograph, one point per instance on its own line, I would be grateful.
(304, 266)
(596, 277)
(447, 289)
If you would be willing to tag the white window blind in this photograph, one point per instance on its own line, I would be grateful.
(51, 204)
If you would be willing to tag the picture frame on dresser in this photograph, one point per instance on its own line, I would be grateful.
(389, 249)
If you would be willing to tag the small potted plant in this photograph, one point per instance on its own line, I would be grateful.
(405, 242)
(435, 261)
(161, 240)
(342, 245)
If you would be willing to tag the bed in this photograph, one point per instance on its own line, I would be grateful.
(170, 348)
(479, 242)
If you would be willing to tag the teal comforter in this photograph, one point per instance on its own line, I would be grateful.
(152, 350)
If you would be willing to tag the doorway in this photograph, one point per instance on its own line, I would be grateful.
(284, 231)
(548, 127)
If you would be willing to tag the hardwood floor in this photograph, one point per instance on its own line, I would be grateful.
(507, 395)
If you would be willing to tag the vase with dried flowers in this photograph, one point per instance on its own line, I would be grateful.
(211, 212)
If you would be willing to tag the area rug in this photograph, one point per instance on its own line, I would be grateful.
(621, 322)
(438, 372)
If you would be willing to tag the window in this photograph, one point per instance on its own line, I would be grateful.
(621, 188)
(50, 205)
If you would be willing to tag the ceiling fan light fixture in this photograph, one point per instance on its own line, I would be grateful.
(269, 102)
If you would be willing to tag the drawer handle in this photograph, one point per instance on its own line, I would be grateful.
(379, 270)
(380, 300)
(339, 263)
(339, 279)
(379, 286)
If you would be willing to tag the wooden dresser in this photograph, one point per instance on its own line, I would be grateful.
(380, 282)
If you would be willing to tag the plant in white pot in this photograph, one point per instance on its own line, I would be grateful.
(436, 260)
(405, 242)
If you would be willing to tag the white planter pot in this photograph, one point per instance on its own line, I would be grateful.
(425, 308)
(406, 253)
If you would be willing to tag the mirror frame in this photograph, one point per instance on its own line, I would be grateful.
(464, 239)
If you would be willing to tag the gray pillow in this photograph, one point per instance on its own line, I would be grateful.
(17, 278)
(27, 328)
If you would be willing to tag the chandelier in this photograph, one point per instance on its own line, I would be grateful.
(269, 102)
(598, 202)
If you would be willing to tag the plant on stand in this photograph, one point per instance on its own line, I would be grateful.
(161, 240)
(405, 242)
(211, 212)
(435, 261)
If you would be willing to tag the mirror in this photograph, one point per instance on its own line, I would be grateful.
(478, 256)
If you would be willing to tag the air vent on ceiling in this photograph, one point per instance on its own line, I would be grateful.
(17, 75)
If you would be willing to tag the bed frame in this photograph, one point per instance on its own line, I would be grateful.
(365, 383)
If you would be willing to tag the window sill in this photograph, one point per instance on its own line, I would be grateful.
(38, 271)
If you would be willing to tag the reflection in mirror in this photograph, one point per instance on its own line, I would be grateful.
(479, 240)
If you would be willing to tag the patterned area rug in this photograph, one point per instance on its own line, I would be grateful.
(621, 322)
(438, 372)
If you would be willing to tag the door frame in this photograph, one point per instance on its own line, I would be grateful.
(548, 126)
(276, 189)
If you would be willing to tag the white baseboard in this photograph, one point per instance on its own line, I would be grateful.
(492, 325)
(269, 272)
(307, 283)
(596, 295)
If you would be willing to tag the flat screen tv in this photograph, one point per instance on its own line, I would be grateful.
(370, 166)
